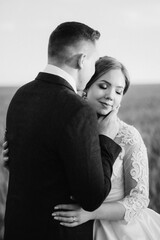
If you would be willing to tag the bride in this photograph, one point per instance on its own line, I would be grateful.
(124, 215)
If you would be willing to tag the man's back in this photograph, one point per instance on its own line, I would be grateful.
(35, 122)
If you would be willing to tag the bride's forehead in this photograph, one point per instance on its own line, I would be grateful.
(113, 77)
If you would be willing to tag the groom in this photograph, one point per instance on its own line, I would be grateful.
(56, 154)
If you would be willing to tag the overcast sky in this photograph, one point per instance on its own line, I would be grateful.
(130, 32)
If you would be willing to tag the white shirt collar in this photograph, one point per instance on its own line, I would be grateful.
(61, 73)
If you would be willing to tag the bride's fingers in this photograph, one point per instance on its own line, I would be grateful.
(110, 115)
(4, 153)
(66, 206)
(5, 145)
(63, 214)
(100, 119)
(74, 224)
(65, 219)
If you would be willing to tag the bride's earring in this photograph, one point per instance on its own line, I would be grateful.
(84, 95)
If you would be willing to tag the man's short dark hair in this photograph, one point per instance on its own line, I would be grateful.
(67, 34)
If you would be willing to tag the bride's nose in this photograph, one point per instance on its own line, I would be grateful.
(110, 93)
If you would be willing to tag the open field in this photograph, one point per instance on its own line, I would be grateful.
(140, 107)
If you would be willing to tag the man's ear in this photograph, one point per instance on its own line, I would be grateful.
(80, 60)
(76, 61)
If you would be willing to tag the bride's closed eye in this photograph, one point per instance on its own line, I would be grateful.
(103, 85)
(119, 92)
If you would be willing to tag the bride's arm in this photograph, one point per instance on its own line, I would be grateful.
(136, 181)
(135, 164)
(109, 211)
(136, 177)
(71, 215)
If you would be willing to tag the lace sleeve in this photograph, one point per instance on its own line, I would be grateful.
(136, 187)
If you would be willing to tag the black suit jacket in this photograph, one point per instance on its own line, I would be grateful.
(55, 152)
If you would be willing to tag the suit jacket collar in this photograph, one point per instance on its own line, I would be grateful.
(53, 79)
(61, 73)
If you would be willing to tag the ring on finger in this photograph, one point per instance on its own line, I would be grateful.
(73, 219)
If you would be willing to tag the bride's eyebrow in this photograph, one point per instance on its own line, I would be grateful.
(105, 81)
(121, 87)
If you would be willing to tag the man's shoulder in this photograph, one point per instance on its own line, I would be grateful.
(24, 87)
(75, 106)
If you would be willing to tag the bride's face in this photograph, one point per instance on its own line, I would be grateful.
(106, 92)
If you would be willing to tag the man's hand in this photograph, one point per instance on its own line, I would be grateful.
(109, 125)
(5, 158)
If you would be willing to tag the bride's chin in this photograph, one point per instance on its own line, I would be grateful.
(103, 113)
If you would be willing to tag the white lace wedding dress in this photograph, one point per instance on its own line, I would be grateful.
(130, 187)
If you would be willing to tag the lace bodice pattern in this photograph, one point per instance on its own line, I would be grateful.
(131, 167)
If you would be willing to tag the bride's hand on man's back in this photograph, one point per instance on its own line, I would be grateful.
(5, 151)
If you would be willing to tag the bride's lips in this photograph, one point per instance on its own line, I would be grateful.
(106, 105)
